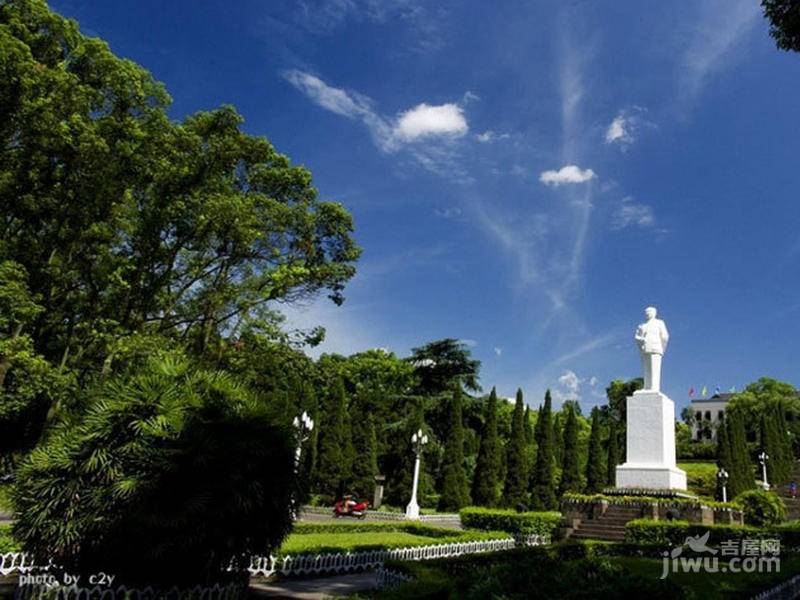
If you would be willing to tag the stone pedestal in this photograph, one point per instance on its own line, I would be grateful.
(650, 444)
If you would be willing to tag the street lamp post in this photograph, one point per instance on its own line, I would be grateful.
(723, 477)
(304, 425)
(418, 440)
(763, 458)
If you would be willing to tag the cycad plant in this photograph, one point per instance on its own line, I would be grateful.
(173, 475)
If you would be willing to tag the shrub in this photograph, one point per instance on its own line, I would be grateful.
(172, 475)
(650, 532)
(761, 507)
(7, 541)
(539, 523)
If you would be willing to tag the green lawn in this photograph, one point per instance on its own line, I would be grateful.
(315, 538)
(701, 477)
(710, 586)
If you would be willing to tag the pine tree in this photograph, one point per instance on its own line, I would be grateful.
(487, 470)
(333, 467)
(724, 460)
(595, 465)
(613, 453)
(543, 496)
(515, 490)
(455, 489)
(365, 466)
(570, 466)
(529, 436)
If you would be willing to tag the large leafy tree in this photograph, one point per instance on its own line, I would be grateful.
(784, 18)
(488, 470)
(442, 363)
(515, 490)
(127, 221)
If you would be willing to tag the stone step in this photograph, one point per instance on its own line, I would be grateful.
(608, 536)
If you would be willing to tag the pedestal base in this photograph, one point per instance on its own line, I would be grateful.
(650, 444)
(660, 477)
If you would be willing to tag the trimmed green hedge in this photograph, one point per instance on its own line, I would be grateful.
(648, 500)
(650, 532)
(539, 523)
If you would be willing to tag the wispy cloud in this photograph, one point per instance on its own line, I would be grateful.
(625, 128)
(426, 130)
(566, 174)
(589, 346)
(632, 214)
(491, 136)
(709, 44)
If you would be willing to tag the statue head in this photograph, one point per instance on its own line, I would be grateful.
(650, 312)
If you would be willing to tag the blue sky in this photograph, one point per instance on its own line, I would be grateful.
(524, 176)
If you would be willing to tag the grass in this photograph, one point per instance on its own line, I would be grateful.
(7, 543)
(710, 586)
(5, 498)
(317, 538)
(701, 477)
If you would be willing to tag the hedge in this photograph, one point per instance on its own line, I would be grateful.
(7, 541)
(649, 532)
(335, 527)
(538, 523)
(648, 501)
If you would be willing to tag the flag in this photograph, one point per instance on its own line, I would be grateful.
(704, 392)
(691, 392)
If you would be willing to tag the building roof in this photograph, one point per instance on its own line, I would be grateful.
(716, 398)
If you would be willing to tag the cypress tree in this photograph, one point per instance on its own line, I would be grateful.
(724, 460)
(785, 442)
(455, 489)
(365, 466)
(333, 467)
(516, 484)
(543, 496)
(487, 470)
(741, 473)
(613, 453)
(570, 467)
(595, 465)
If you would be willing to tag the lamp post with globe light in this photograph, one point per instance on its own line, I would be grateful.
(418, 441)
(763, 458)
(304, 425)
(722, 476)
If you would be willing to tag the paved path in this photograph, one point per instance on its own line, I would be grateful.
(316, 588)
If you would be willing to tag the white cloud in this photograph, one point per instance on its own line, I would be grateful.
(572, 387)
(631, 214)
(425, 120)
(498, 351)
(566, 174)
(333, 99)
(616, 132)
(570, 380)
(450, 212)
(490, 136)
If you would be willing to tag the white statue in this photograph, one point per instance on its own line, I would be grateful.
(652, 337)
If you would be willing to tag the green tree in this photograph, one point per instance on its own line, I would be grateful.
(488, 470)
(741, 472)
(126, 221)
(613, 453)
(333, 470)
(570, 466)
(784, 18)
(617, 393)
(724, 459)
(365, 465)
(515, 490)
(543, 494)
(455, 488)
(172, 477)
(595, 465)
(440, 364)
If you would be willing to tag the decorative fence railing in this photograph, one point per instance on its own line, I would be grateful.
(317, 564)
(785, 591)
(389, 578)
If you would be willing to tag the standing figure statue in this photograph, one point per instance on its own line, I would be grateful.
(652, 337)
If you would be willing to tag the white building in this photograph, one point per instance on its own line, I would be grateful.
(707, 414)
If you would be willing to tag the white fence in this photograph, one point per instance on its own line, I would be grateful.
(389, 578)
(74, 592)
(785, 591)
